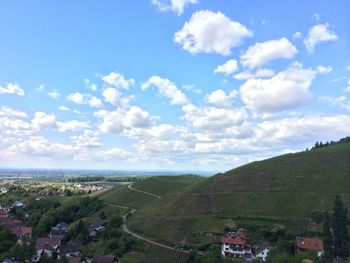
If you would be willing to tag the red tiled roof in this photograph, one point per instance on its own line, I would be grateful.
(21, 230)
(41, 242)
(234, 240)
(310, 243)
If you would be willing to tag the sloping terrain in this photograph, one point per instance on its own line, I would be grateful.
(279, 192)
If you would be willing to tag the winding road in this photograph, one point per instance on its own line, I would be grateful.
(133, 210)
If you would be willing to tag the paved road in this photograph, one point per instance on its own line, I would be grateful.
(147, 193)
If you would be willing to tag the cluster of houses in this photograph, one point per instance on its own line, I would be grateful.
(20, 229)
(52, 245)
(235, 244)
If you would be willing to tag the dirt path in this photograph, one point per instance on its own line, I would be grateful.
(140, 191)
(126, 230)
(133, 210)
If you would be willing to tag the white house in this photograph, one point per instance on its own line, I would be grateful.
(262, 251)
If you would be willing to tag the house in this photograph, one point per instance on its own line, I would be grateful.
(59, 229)
(69, 250)
(18, 204)
(308, 243)
(22, 232)
(46, 245)
(97, 226)
(11, 222)
(262, 251)
(236, 245)
(104, 259)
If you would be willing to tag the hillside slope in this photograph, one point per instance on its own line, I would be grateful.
(279, 192)
(321, 170)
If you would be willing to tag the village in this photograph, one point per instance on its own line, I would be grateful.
(51, 246)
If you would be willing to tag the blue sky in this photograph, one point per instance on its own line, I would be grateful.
(177, 84)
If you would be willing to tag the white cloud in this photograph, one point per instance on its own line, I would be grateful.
(228, 67)
(43, 121)
(213, 118)
(76, 97)
(318, 33)
(297, 35)
(287, 89)
(117, 80)
(86, 99)
(63, 108)
(176, 6)
(88, 139)
(166, 89)
(12, 88)
(347, 89)
(39, 146)
(90, 85)
(115, 97)
(122, 121)
(259, 73)
(192, 88)
(72, 126)
(104, 156)
(219, 99)
(341, 102)
(211, 32)
(262, 52)
(95, 102)
(11, 113)
(54, 95)
(324, 69)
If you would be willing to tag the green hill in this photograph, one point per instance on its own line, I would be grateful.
(281, 192)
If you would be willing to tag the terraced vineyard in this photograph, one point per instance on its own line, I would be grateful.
(154, 254)
(123, 196)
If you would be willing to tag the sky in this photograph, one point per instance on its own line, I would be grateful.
(170, 84)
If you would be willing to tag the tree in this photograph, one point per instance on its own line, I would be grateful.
(102, 215)
(341, 235)
(328, 238)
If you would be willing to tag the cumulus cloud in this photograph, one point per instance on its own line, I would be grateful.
(121, 120)
(176, 6)
(167, 89)
(219, 99)
(41, 147)
(42, 121)
(72, 126)
(115, 97)
(88, 139)
(317, 34)
(63, 108)
(11, 113)
(87, 99)
(259, 73)
(76, 97)
(286, 90)
(12, 88)
(263, 52)
(213, 118)
(117, 80)
(210, 32)
(324, 69)
(54, 95)
(341, 101)
(228, 67)
(95, 102)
